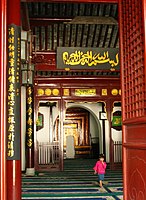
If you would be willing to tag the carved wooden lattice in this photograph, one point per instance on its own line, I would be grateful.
(133, 81)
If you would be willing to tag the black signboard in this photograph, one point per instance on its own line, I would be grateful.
(88, 58)
(13, 92)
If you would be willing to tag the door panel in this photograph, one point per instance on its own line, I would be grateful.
(132, 42)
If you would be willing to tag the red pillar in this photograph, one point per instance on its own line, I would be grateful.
(109, 108)
(13, 91)
(3, 64)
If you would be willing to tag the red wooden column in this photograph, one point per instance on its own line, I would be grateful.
(133, 73)
(109, 109)
(13, 102)
(3, 64)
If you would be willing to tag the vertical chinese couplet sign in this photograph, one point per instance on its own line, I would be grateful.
(13, 93)
(29, 117)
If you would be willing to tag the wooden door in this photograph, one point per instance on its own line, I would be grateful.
(133, 74)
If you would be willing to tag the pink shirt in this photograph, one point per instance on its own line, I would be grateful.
(100, 167)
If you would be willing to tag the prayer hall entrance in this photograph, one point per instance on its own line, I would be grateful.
(63, 76)
(74, 118)
(78, 43)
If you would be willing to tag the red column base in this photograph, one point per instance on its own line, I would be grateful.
(14, 180)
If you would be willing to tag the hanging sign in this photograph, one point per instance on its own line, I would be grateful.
(40, 121)
(117, 120)
(88, 58)
(13, 93)
(29, 117)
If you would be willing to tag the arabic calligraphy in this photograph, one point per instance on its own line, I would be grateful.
(85, 92)
(81, 58)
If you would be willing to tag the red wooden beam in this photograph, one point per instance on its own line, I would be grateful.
(3, 64)
(73, 1)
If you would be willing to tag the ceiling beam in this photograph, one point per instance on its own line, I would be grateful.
(37, 21)
(25, 17)
(93, 20)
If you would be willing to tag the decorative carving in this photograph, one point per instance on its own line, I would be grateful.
(104, 92)
(48, 92)
(114, 92)
(136, 194)
(55, 92)
(47, 59)
(66, 92)
(119, 92)
(137, 183)
(40, 92)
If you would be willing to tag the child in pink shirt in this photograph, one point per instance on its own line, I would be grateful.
(99, 169)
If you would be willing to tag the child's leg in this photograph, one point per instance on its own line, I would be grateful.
(100, 178)
(100, 183)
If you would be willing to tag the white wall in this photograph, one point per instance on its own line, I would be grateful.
(43, 135)
(94, 131)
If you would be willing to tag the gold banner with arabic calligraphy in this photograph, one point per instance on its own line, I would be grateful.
(85, 92)
(88, 58)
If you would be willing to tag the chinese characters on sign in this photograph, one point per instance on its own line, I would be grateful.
(29, 117)
(13, 93)
(88, 58)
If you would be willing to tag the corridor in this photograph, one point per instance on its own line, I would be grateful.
(77, 181)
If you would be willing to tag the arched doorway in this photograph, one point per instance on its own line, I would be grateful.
(81, 125)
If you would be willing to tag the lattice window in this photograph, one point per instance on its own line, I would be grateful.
(133, 59)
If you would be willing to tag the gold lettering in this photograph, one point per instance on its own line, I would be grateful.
(11, 47)
(85, 92)
(29, 121)
(11, 120)
(29, 91)
(10, 145)
(12, 54)
(11, 88)
(11, 111)
(11, 39)
(10, 153)
(11, 128)
(11, 103)
(11, 136)
(29, 100)
(11, 71)
(11, 79)
(29, 132)
(81, 58)
(11, 96)
(12, 61)
(29, 143)
(29, 111)
(11, 31)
